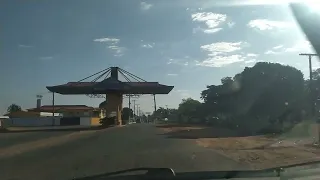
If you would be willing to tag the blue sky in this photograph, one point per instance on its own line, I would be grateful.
(185, 43)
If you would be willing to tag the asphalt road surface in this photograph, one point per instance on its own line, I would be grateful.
(117, 148)
(19, 135)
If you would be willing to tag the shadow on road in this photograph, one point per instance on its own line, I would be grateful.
(51, 129)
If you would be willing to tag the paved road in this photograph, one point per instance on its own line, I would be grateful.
(19, 135)
(118, 148)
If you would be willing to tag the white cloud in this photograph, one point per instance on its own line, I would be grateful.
(223, 53)
(172, 74)
(250, 61)
(278, 47)
(252, 55)
(212, 20)
(220, 60)
(46, 58)
(271, 52)
(118, 51)
(110, 40)
(183, 61)
(173, 61)
(147, 46)
(265, 24)
(299, 46)
(145, 6)
(112, 45)
(222, 47)
(210, 31)
(25, 46)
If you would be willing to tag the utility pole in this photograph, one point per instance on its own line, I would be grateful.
(129, 103)
(134, 109)
(311, 83)
(137, 109)
(154, 102)
(138, 112)
(53, 109)
(129, 109)
(155, 108)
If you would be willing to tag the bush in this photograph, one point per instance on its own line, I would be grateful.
(107, 121)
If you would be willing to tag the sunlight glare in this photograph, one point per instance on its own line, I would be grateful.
(314, 5)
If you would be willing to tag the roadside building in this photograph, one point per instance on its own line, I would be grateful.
(73, 114)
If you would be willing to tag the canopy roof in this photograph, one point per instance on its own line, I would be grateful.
(111, 85)
(49, 108)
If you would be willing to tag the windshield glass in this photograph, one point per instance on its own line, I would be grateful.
(93, 87)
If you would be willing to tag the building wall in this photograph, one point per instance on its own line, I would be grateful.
(24, 114)
(77, 114)
(85, 121)
(46, 121)
(95, 121)
(32, 122)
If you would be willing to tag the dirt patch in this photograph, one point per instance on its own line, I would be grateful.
(168, 129)
(234, 143)
(259, 152)
(195, 131)
(268, 158)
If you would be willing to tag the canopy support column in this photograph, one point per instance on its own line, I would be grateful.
(114, 107)
(52, 104)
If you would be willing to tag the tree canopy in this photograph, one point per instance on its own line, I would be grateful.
(13, 108)
(127, 113)
(261, 98)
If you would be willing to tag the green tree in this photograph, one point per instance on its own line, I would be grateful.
(14, 108)
(189, 110)
(126, 113)
(257, 97)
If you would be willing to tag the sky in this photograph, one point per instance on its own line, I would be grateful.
(185, 43)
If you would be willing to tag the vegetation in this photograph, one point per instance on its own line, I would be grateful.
(266, 98)
(107, 121)
(14, 108)
(127, 113)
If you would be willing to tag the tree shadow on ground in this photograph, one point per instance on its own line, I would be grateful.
(56, 129)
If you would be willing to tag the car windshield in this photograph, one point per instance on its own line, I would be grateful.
(93, 87)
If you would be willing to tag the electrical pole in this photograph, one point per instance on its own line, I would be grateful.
(311, 83)
(134, 109)
(53, 109)
(137, 109)
(129, 103)
(154, 102)
(129, 109)
(138, 112)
